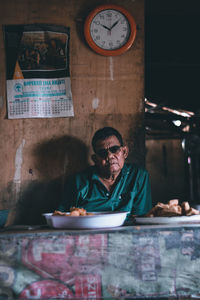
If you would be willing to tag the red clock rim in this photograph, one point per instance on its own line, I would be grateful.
(89, 39)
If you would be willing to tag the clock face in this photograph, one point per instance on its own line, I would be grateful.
(110, 29)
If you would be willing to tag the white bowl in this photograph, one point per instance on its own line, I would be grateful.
(97, 220)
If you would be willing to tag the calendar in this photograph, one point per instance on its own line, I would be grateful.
(39, 98)
(38, 77)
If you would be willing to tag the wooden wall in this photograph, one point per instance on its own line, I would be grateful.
(165, 162)
(37, 154)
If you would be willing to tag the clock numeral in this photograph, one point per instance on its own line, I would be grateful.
(97, 38)
(124, 28)
(101, 16)
(109, 15)
(95, 30)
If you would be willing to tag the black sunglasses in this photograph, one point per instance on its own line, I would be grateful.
(103, 153)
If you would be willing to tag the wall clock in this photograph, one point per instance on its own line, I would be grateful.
(110, 30)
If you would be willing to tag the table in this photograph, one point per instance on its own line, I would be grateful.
(128, 262)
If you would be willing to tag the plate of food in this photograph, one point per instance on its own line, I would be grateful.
(167, 220)
(79, 218)
(169, 213)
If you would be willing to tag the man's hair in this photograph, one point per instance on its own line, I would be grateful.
(104, 133)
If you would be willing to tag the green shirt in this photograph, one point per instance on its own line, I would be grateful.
(131, 192)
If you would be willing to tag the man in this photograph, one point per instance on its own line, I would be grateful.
(111, 184)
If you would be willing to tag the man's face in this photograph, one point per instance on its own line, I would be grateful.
(110, 156)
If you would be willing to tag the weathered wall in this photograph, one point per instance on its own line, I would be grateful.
(37, 154)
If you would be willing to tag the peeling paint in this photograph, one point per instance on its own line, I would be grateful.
(111, 68)
(95, 103)
(18, 162)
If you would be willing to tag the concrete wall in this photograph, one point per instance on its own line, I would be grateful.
(38, 154)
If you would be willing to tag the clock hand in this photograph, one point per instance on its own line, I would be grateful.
(114, 24)
(105, 27)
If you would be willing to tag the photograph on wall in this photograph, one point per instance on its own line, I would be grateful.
(37, 71)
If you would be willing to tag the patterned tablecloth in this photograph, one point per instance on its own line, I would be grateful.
(119, 263)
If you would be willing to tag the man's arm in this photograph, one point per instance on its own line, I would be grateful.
(143, 200)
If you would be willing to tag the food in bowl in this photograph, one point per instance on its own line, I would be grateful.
(74, 211)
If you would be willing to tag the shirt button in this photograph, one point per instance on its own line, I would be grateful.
(120, 197)
(107, 194)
